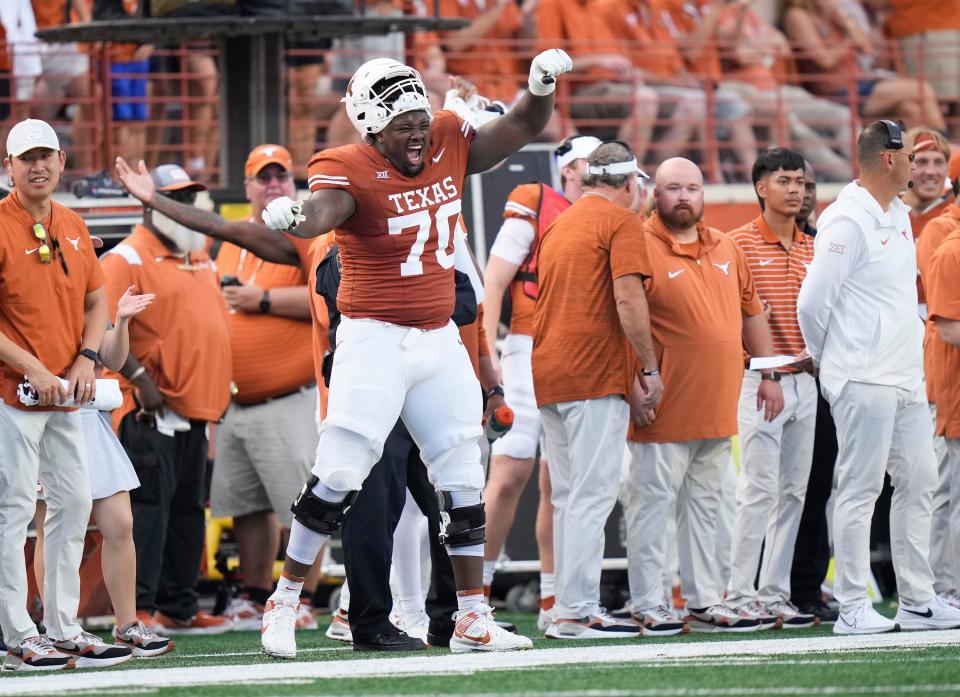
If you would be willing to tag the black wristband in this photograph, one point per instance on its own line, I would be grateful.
(651, 373)
(89, 353)
(496, 389)
(770, 376)
(265, 302)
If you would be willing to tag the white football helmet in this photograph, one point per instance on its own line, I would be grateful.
(381, 89)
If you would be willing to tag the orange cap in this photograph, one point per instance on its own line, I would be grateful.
(264, 155)
(930, 140)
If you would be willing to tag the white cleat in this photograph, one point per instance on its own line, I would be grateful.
(277, 633)
(935, 615)
(339, 629)
(864, 620)
(544, 619)
(476, 630)
(415, 624)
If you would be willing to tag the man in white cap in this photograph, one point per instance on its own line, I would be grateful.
(512, 266)
(53, 314)
(176, 380)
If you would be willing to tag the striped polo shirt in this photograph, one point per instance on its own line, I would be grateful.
(778, 273)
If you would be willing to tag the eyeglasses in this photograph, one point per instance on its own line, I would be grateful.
(909, 155)
(264, 178)
(44, 250)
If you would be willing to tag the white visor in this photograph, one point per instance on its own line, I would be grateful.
(628, 167)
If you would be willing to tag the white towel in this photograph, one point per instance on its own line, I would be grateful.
(108, 396)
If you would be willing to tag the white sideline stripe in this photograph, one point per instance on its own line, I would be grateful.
(259, 653)
(465, 664)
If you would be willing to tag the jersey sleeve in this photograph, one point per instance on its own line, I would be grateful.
(329, 170)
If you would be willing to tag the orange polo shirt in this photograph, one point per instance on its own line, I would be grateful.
(41, 306)
(491, 62)
(943, 282)
(934, 233)
(697, 296)
(651, 45)
(271, 355)
(182, 339)
(576, 27)
(909, 17)
(579, 348)
(918, 222)
(777, 274)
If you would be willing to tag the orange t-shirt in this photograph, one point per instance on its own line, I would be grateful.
(944, 288)
(41, 307)
(778, 274)
(579, 348)
(918, 222)
(909, 17)
(576, 27)
(680, 18)
(759, 72)
(934, 233)
(651, 46)
(491, 62)
(697, 305)
(182, 339)
(255, 338)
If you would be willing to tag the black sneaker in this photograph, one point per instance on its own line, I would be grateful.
(389, 641)
(820, 610)
(91, 651)
(37, 653)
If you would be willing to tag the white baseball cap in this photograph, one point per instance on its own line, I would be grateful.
(30, 134)
(576, 148)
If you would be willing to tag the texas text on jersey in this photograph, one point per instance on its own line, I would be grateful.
(397, 248)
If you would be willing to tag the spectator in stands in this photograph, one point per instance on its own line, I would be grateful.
(607, 97)
(682, 113)
(827, 44)
(130, 72)
(704, 309)
(591, 304)
(66, 77)
(53, 315)
(928, 34)
(268, 439)
(176, 381)
(728, 40)
(775, 454)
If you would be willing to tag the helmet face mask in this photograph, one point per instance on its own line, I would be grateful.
(380, 90)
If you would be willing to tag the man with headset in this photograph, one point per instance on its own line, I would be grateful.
(857, 312)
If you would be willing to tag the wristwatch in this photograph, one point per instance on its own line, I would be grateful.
(651, 373)
(770, 376)
(496, 389)
(89, 353)
(265, 302)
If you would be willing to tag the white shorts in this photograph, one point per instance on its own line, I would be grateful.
(110, 468)
(521, 441)
(382, 372)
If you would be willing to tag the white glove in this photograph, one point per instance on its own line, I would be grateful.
(544, 71)
(283, 214)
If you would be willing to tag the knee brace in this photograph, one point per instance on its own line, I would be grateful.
(461, 527)
(315, 514)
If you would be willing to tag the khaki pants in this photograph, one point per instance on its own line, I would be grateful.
(44, 446)
(585, 439)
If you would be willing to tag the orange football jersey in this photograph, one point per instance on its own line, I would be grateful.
(397, 248)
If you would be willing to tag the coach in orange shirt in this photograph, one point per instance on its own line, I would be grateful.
(268, 438)
(591, 309)
(53, 315)
(776, 455)
(704, 308)
(944, 295)
(177, 380)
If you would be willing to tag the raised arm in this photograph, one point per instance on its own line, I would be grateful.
(502, 137)
(259, 239)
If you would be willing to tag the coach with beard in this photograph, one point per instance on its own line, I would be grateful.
(176, 380)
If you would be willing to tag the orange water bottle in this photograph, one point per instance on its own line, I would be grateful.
(498, 423)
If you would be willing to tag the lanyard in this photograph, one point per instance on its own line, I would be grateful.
(240, 265)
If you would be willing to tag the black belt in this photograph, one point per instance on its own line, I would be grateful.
(302, 388)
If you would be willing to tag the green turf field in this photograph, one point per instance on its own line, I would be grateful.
(799, 662)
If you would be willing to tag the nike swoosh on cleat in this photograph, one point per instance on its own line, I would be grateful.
(928, 614)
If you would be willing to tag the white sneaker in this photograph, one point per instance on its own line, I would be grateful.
(789, 615)
(476, 630)
(951, 598)
(245, 614)
(415, 624)
(90, 651)
(37, 653)
(659, 621)
(864, 620)
(598, 626)
(305, 617)
(719, 618)
(277, 633)
(545, 619)
(756, 610)
(339, 629)
(936, 615)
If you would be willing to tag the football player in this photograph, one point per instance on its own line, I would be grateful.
(395, 205)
